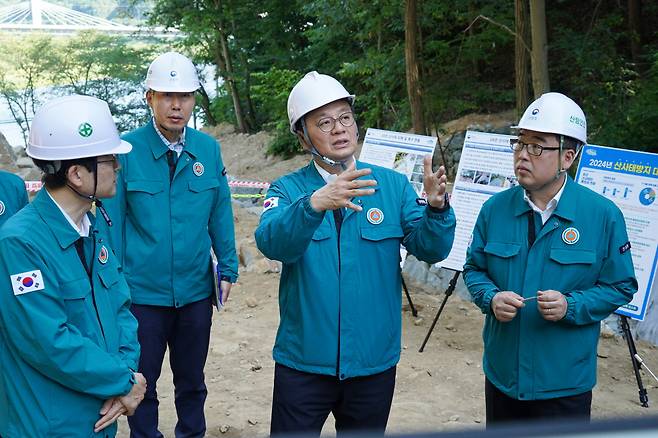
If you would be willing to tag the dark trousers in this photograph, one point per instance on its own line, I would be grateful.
(504, 409)
(302, 401)
(186, 331)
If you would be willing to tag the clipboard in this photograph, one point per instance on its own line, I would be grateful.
(216, 275)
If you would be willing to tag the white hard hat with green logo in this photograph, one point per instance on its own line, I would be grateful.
(73, 127)
(555, 113)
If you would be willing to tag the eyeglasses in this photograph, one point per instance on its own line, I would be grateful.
(112, 160)
(327, 124)
(532, 148)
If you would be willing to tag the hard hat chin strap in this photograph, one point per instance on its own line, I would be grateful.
(333, 163)
(94, 200)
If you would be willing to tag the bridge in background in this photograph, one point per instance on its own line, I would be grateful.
(41, 16)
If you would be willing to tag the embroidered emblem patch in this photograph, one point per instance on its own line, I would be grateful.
(375, 216)
(570, 236)
(25, 282)
(421, 201)
(625, 247)
(2, 208)
(270, 203)
(197, 168)
(103, 255)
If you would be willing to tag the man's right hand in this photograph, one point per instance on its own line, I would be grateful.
(131, 400)
(505, 305)
(338, 193)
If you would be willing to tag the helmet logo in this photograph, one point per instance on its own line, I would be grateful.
(173, 73)
(577, 121)
(535, 111)
(85, 129)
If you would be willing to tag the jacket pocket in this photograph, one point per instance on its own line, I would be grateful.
(323, 232)
(500, 249)
(382, 232)
(77, 299)
(200, 185)
(150, 187)
(109, 277)
(573, 256)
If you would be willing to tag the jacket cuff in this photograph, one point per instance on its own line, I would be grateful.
(570, 316)
(486, 301)
(306, 203)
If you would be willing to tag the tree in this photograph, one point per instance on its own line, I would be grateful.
(521, 56)
(413, 76)
(25, 72)
(540, 80)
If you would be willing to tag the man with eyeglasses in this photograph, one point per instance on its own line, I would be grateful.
(68, 341)
(549, 259)
(337, 225)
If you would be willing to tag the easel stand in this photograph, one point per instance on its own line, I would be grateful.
(448, 292)
(414, 312)
(626, 330)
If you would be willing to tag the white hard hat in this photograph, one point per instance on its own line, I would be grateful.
(311, 92)
(74, 127)
(172, 72)
(555, 113)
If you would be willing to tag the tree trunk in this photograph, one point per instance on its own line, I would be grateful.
(411, 58)
(521, 56)
(229, 79)
(540, 79)
(205, 106)
(635, 28)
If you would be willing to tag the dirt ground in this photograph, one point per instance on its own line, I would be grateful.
(437, 390)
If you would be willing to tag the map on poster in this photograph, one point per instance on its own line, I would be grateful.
(486, 167)
(630, 180)
(398, 151)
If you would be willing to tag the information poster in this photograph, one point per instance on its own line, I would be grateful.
(398, 151)
(486, 167)
(630, 180)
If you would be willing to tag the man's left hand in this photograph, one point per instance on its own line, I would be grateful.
(225, 287)
(434, 183)
(552, 305)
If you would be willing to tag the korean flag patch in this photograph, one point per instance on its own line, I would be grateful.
(270, 203)
(25, 282)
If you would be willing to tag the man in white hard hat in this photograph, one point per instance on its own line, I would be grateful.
(68, 341)
(175, 204)
(549, 259)
(337, 225)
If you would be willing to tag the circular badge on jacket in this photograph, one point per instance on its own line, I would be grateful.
(375, 216)
(2, 208)
(197, 168)
(570, 236)
(103, 255)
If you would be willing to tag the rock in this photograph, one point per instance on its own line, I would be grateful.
(469, 362)
(245, 252)
(454, 418)
(224, 428)
(419, 321)
(243, 344)
(252, 421)
(256, 367)
(251, 302)
(24, 162)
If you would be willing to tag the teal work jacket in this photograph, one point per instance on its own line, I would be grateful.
(164, 229)
(65, 346)
(13, 196)
(339, 300)
(530, 358)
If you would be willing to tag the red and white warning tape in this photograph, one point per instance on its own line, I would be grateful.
(35, 186)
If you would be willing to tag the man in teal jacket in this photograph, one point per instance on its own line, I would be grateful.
(556, 242)
(337, 225)
(68, 342)
(174, 204)
(13, 195)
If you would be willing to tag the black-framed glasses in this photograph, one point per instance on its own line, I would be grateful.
(532, 148)
(112, 160)
(326, 124)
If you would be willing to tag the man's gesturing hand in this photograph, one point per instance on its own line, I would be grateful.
(338, 193)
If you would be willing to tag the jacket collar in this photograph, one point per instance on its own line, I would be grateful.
(566, 207)
(158, 148)
(55, 220)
